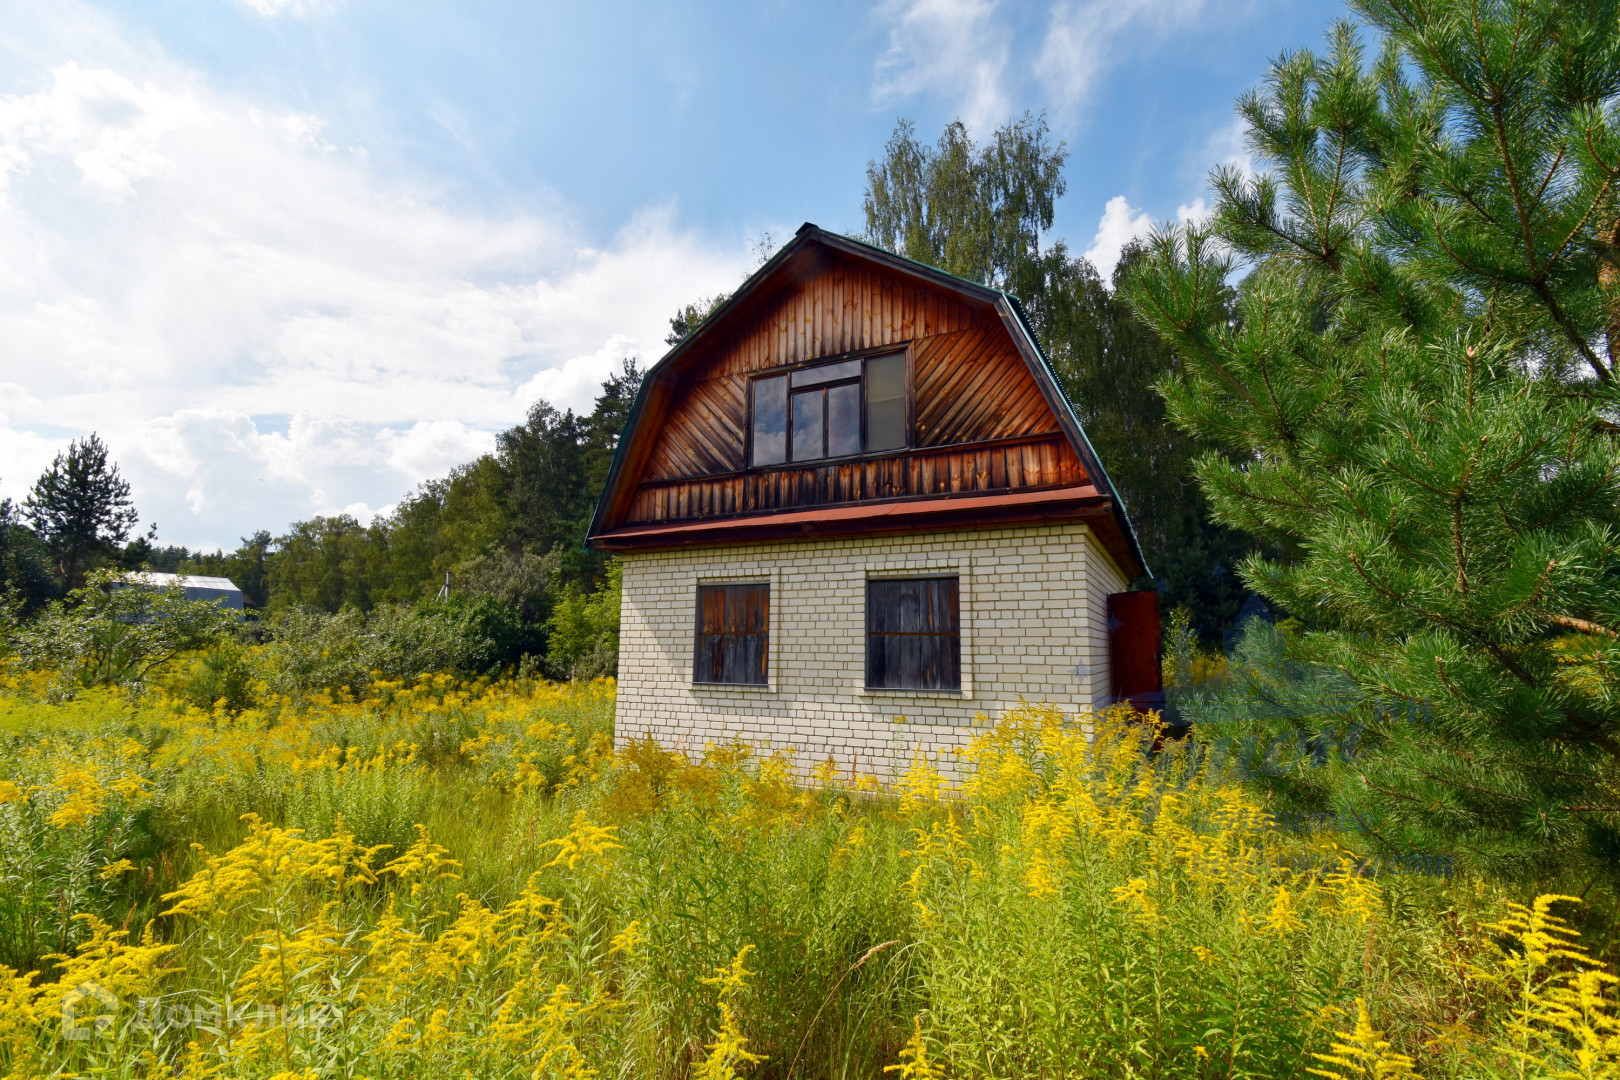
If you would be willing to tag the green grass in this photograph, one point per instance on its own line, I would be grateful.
(1077, 909)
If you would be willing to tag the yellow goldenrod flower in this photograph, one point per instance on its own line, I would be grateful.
(583, 839)
(914, 1061)
(1282, 918)
(1364, 1053)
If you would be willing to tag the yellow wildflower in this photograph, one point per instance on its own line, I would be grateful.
(627, 940)
(729, 1048)
(421, 863)
(583, 839)
(112, 870)
(1134, 894)
(914, 1061)
(1282, 918)
(1364, 1053)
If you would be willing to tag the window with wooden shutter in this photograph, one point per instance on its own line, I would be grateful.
(733, 634)
(913, 634)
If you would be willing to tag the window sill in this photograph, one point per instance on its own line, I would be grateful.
(732, 688)
(890, 692)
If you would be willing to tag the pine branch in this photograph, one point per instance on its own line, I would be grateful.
(1582, 625)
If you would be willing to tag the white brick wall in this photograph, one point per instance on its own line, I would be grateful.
(1033, 608)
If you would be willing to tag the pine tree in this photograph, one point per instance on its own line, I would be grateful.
(1415, 404)
(80, 507)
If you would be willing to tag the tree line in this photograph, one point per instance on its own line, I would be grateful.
(508, 529)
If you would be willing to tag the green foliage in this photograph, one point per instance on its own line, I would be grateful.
(80, 507)
(1414, 406)
(223, 677)
(585, 629)
(686, 320)
(25, 563)
(522, 580)
(113, 632)
(978, 213)
(1260, 685)
(312, 651)
(329, 563)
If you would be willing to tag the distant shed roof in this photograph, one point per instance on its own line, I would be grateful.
(193, 586)
(187, 581)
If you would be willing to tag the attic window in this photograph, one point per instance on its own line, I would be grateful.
(832, 410)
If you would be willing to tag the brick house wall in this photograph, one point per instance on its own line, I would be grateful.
(1033, 607)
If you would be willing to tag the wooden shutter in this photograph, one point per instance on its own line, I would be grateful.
(733, 634)
(913, 634)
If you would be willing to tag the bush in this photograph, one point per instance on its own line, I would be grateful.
(117, 633)
(584, 642)
(311, 650)
(224, 676)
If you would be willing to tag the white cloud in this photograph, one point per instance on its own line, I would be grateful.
(432, 448)
(17, 404)
(1087, 37)
(957, 48)
(1194, 213)
(1119, 225)
(297, 9)
(175, 262)
(1228, 145)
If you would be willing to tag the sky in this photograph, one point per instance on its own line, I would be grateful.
(295, 257)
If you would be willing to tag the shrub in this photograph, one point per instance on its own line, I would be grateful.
(311, 650)
(584, 641)
(117, 633)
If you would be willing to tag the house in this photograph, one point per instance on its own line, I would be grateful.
(193, 586)
(856, 493)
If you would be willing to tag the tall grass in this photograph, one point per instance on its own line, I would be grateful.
(447, 879)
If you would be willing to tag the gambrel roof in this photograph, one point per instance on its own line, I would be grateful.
(996, 440)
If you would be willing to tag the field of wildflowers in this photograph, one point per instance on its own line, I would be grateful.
(461, 879)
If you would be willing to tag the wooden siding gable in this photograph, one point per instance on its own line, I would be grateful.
(983, 421)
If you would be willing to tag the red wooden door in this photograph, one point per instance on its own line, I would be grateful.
(1134, 668)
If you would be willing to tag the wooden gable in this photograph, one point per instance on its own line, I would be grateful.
(981, 423)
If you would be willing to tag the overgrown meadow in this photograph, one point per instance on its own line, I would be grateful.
(464, 879)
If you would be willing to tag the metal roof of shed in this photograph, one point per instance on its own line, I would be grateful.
(188, 581)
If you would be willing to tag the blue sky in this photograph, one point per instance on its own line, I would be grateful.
(295, 256)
